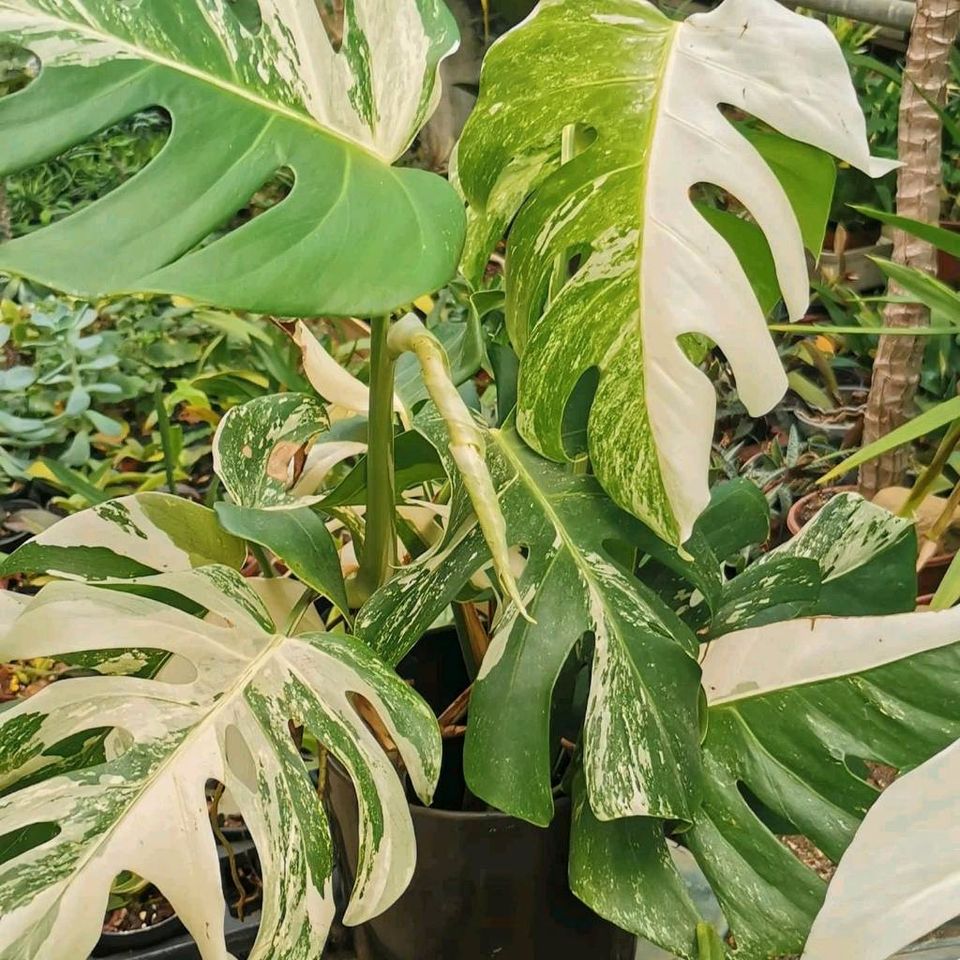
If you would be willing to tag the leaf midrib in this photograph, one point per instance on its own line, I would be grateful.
(151, 56)
(584, 568)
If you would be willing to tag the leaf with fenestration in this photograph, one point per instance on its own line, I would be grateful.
(645, 92)
(852, 558)
(795, 710)
(246, 679)
(641, 739)
(355, 235)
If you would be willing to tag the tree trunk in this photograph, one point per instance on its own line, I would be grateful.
(896, 370)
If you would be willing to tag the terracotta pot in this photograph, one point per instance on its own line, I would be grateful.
(928, 579)
(794, 522)
(948, 266)
(933, 572)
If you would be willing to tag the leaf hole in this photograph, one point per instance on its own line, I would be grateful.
(270, 194)
(92, 168)
(248, 13)
(19, 67)
(774, 821)
(239, 759)
(333, 18)
(876, 775)
(576, 414)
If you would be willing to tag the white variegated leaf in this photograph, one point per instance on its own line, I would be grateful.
(641, 733)
(227, 717)
(135, 535)
(274, 452)
(900, 878)
(334, 383)
(641, 95)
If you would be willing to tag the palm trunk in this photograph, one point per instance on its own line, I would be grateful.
(896, 370)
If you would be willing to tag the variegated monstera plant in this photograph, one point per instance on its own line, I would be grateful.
(714, 712)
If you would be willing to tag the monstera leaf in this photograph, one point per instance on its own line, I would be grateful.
(131, 536)
(244, 680)
(910, 833)
(247, 99)
(641, 735)
(635, 99)
(795, 710)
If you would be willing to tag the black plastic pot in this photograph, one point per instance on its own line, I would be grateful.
(169, 940)
(486, 887)
(134, 942)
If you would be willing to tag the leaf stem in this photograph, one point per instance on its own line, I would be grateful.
(379, 543)
(166, 437)
(263, 561)
(299, 609)
(933, 470)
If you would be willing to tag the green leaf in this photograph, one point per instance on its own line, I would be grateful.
(641, 733)
(72, 481)
(650, 893)
(948, 593)
(415, 462)
(921, 288)
(128, 537)
(784, 587)
(945, 240)
(928, 421)
(648, 90)
(299, 538)
(145, 809)
(355, 235)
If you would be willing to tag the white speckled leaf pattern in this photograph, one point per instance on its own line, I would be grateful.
(641, 736)
(355, 236)
(652, 269)
(274, 452)
(135, 535)
(145, 810)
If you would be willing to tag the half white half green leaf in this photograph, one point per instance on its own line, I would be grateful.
(796, 711)
(145, 810)
(644, 94)
(131, 536)
(247, 100)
